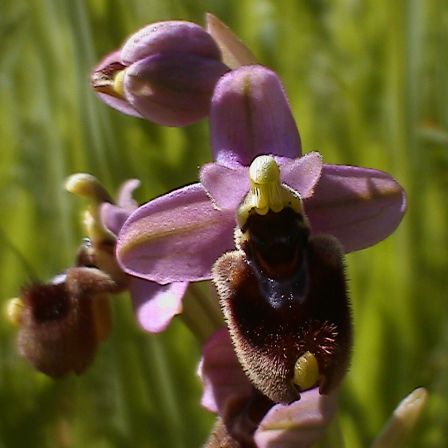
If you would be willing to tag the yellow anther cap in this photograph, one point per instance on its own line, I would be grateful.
(266, 191)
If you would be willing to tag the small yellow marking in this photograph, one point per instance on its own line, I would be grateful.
(14, 311)
(118, 83)
(105, 83)
(306, 371)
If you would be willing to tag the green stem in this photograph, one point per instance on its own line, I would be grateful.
(201, 313)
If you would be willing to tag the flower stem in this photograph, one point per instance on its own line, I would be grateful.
(201, 313)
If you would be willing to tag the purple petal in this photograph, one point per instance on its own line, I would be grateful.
(113, 217)
(298, 425)
(120, 104)
(226, 186)
(156, 305)
(176, 237)
(173, 89)
(250, 116)
(221, 373)
(125, 199)
(303, 174)
(359, 206)
(111, 58)
(161, 37)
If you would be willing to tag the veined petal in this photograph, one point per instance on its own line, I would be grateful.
(155, 305)
(250, 116)
(221, 373)
(172, 89)
(359, 206)
(176, 237)
(298, 425)
(172, 35)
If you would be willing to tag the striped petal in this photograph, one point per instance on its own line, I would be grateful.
(359, 206)
(250, 116)
(176, 237)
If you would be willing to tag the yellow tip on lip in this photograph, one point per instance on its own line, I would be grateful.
(306, 371)
(266, 191)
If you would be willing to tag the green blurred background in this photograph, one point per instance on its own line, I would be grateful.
(368, 85)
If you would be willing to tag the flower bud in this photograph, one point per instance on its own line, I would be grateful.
(166, 73)
(62, 322)
(172, 89)
(403, 420)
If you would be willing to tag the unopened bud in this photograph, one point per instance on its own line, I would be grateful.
(402, 421)
(172, 88)
(166, 73)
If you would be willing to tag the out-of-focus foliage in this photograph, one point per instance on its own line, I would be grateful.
(368, 84)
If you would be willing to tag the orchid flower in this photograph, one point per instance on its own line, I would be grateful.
(284, 297)
(178, 236)
(62, 322)
(155, 305)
